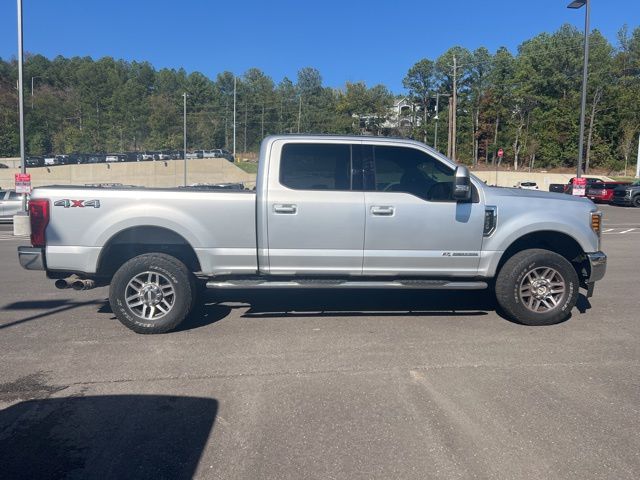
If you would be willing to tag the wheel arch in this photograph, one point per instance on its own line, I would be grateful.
(554, 241)
(133, 241)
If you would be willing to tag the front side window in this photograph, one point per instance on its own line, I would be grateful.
(407, 170)
(307, 166)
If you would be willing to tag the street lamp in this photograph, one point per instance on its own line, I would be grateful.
(575, 5)
(184, 138)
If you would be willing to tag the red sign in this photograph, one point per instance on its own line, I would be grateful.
(23, 183)
(501, 153)
(579, 186)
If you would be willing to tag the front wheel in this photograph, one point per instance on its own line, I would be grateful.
(152, 293)
(636, 201)
(537, 287)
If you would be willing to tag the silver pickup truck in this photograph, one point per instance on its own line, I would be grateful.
(327, 211)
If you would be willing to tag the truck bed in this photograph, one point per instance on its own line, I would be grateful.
(220, 225)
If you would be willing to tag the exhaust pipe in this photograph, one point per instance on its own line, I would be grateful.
(80, 284)
(63, 283)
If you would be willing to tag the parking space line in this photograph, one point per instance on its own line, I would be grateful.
(627, 231)
(607, 230)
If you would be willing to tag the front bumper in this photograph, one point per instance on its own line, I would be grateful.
(31, 258)
(598, 264)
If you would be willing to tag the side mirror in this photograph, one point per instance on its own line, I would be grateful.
(462, 184)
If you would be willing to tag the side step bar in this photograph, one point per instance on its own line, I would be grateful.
(321, 283)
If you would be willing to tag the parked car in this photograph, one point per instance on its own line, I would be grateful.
(628, 195)
(96, 158)
(10, 204)
(33, 162)
(227, 154)
(62, 159)
(210, 153)
(2, 165)
(527, 185)
(328, 212)
(50, 160)
(146, 156)
(603, 192)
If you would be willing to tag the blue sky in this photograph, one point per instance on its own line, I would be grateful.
(373, 41)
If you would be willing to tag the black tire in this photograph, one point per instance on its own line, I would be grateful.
(522, 282)
(170, 284)
(636, 201)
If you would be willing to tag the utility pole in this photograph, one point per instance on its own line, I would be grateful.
(299, 113)
(437, 117)
(454, 108)
(449, 123)
(184, 133)
(638, 163)
(32, 79)
(234, 116)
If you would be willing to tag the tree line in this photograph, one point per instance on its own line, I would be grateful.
(527, 103)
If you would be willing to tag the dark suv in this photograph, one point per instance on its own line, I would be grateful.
(627, 195)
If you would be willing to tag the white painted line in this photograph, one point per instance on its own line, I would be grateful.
(627, 231)
(607, 230)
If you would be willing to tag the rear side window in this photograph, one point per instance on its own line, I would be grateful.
(309, 166)
(13, 195)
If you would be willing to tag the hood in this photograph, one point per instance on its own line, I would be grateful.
(536, 194)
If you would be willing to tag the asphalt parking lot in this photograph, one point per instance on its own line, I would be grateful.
(288, 385)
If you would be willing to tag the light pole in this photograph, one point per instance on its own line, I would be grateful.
(575, 5)
(435, 136)
(234, 114)
(23, 166)
(184, 135)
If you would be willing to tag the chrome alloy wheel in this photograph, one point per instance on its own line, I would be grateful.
(542, 289)
(150, 295)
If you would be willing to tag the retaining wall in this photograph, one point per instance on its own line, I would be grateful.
(161, 173)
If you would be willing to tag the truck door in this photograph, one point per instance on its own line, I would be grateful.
(413, 226)
(315, 203)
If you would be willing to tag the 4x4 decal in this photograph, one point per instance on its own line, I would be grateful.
(68, 203)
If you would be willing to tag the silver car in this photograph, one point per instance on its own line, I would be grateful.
(10, 204)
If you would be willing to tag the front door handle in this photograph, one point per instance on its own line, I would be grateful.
(382, 211)
(286, 209)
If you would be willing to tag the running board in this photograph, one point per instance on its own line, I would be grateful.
(320, 283)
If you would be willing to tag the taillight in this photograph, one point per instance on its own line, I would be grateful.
(39, 215)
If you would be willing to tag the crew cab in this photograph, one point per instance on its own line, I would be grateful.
(628, 195)
(329, 212)
(602, 192)
(590, 182)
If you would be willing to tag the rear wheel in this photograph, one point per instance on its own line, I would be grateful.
(152, 293)
(537, 287)
(636, 201)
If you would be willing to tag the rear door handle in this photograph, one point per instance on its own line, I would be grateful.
(286, 209)
(382, 211)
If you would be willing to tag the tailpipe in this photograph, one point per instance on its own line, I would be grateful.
(81, 284)
(63, 283)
